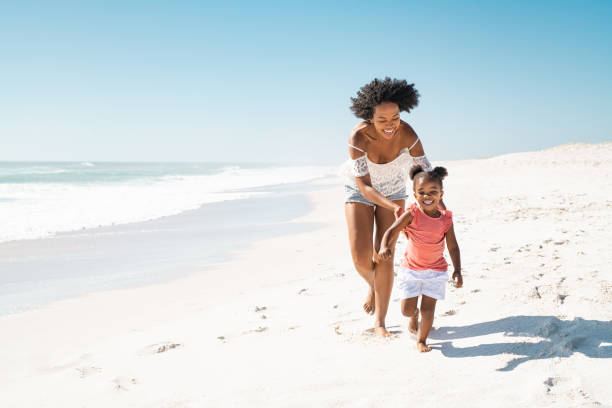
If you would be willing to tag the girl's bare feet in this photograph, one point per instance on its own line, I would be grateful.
(382, 332)
(413, 324)
(368, 305)
(422, 347)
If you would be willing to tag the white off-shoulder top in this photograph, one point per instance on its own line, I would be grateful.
(387, 178)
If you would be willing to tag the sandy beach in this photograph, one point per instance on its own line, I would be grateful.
(276, 320)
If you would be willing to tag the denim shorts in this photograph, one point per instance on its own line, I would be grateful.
(353, 195)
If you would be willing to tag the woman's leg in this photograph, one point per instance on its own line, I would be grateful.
(428, 308)
(360, 222)
(383, 279)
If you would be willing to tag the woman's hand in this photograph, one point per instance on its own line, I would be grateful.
(384, 254)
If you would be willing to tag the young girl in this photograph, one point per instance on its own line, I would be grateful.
(423, 268)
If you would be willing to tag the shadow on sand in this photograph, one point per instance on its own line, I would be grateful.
(558, 338)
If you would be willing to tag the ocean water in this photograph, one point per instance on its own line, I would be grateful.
(40, 199)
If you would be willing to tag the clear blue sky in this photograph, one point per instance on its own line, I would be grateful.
(271, 81)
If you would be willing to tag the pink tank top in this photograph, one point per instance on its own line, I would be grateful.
(426, 239)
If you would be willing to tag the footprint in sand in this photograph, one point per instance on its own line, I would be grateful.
(371, 334)
(160, 347)
(535, 293)
(259, 309)
(68, 364)
(567, 386)
(475, 290)
(87, 371)
(257, 330)
(124, 383)
(449, 313)
(551, 382)
(302, 291)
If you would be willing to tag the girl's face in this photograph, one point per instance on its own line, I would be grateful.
(427, 193)
(386, 119)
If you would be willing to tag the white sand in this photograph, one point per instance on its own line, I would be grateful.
(281, 323)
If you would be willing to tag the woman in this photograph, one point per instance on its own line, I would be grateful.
(382, 150)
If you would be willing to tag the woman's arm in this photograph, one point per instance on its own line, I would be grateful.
(412, 141)
(390, 237)
(453, 250)
(365, 186)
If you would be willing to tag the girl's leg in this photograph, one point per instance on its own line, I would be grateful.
(360, 222)
(383, 279)
(410, 309)
(428, 307)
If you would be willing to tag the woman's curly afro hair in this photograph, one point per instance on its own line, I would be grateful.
(388, 90)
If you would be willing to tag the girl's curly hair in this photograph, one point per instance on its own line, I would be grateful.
(387, 90)
(437, 174)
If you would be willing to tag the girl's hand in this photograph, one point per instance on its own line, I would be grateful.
(383, 254)
(457, 279)
(398, 212)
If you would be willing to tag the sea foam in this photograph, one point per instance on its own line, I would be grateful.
(41, 209)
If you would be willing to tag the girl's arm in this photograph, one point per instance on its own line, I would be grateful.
(365, 186)
(453, 250)
(390, 237)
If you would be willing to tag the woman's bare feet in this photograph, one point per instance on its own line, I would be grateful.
(413, 324)
(382, 332)
(422, 347)
(368, 305)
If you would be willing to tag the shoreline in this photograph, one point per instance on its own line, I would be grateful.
(40, 271)
(42, 201)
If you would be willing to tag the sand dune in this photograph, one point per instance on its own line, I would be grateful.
(280, 324)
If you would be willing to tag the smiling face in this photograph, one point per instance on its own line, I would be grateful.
(386, 119)
(427, 193)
